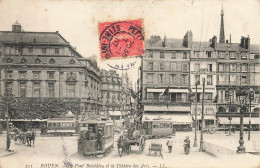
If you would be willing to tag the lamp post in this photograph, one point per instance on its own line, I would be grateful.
(196, 108)
(202, 117)
(241, 94)
(6, 114)
(251, 97)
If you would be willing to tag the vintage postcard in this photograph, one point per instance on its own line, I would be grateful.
(129, 84)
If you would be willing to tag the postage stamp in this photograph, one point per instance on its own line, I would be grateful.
(121, 39)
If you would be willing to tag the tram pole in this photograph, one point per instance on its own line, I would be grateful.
(195, 139)
(202, 117)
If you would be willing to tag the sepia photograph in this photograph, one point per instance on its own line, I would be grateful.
(129, 84)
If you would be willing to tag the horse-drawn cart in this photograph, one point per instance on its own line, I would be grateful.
(156, 146)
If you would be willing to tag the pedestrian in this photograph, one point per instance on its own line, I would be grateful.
(12, 145)
(99, 139)
(169, 144)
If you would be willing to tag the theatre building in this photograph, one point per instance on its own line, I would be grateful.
(166, 80)
(42, 67)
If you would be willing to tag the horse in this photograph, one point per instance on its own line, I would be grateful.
(22, 137)
(123, 146)
(30, 137)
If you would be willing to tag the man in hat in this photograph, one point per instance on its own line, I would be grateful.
(169, 144)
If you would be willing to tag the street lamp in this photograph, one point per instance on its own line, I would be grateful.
(241, 94)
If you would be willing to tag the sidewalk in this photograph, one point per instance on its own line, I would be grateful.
(3, 152)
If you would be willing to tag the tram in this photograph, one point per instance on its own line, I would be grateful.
(96, 136)
(157, 128)
(61, 126)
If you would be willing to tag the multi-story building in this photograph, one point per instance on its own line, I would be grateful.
(44, 66)
(166, 79)
(203, 66)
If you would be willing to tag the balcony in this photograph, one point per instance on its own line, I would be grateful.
(165, 102)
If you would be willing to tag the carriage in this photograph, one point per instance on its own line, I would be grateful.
(61, 126)
(155, 146)
(96, 136)
(158, 128)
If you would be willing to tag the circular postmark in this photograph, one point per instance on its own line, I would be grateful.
(121, 39)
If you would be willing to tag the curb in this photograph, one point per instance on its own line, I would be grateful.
(10, 153)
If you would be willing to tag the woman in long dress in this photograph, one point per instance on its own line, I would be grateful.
(12, 145)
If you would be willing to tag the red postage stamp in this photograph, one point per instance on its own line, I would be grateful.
(121, 39)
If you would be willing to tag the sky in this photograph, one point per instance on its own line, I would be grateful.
(77, 21)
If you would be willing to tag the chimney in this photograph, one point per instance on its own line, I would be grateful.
(247, 45)
(187, 40)
(16, 27)
(154, 39)
(164, 42)
(243, 42)
(214, 42)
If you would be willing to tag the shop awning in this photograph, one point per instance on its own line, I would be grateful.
(225, 120)
(178, 90)
(174, 118)
(155, 90)
(170, 108)
(115, 113)
(206, 117)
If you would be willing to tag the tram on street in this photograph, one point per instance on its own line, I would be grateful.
(96, 136)
(157, 128)
(61, 126)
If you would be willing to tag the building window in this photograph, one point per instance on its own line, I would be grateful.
(162, 66)
(209, 67)
(243, 55)
(37, 61)
(197, 54)
(221, 79)
(184, 67)
(22, 74)
(243, 80)
(71, 90)
(161, 80)
(23, 60)
(232, 55)
(185, 55)
(52, 61)
(173, 55)
(185, 79)
(36, 89)
(173, 79)
(233, 67)
(50, 75)
(162, 54)
(51, 89)
(208, 54)
(197, 67)
(9, 88)
(173, 66)
(149, 78)
(9, 60)
(209, 79)
(44, 51)
(244, 68)
(57, 51)
(150, 66)
(221, 67)
(150, 54)
(221, 54)
(208, 96)
(232, 79)
(9, 74)
(30, 50)
(22, 89)
(36, 75)
(17, 50)
(197, 79)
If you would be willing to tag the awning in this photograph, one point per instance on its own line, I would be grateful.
(174, 118)
(115, 113)
(178, 90)
(155, 90)
(225, 120)
(206, 117)
(170, 108)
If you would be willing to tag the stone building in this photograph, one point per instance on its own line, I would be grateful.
(166, 80)
(43, 65)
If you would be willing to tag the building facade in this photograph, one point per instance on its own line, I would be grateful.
(43, 65)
